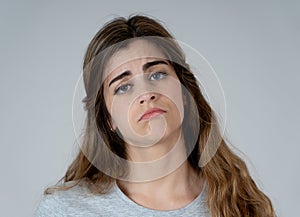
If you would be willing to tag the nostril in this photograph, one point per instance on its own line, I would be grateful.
(146, 98)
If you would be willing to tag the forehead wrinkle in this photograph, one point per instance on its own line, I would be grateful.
(134, 51)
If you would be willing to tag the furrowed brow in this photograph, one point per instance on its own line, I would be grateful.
(119, 77)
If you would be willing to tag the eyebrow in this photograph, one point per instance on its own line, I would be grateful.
(153, 63)
(124, 74)
(145, 67)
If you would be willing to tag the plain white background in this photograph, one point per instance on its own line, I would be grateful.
(253, 47)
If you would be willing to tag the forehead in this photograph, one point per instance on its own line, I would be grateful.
(138, 51)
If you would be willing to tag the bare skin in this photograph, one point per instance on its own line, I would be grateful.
(173, 191)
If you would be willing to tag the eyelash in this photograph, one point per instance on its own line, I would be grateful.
(162, 76)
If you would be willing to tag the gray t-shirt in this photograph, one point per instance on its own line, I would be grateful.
(78, 201)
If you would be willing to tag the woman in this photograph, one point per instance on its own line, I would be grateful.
(144, 148)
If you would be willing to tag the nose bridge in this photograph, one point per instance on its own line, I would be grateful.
(146, 91)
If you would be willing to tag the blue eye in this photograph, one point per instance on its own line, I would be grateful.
(158, 76)
(122, 89)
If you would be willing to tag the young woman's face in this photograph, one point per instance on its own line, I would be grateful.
(143, 95)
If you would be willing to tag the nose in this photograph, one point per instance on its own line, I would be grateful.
(147, 97)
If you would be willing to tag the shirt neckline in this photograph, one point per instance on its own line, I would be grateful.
(193, 205)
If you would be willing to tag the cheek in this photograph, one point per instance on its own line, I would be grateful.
(115, 106)
(172, 90)
(120, 110)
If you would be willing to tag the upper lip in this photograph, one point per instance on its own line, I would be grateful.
(150, 111)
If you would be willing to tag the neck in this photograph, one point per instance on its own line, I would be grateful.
(181, 180)
(165, 183)
(170, 192)
(157, 161)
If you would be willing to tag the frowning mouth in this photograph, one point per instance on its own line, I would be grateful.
(153, 112)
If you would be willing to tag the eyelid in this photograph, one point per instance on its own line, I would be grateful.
(118, 88)
(121, 82)
(155, 72)
(125, 82)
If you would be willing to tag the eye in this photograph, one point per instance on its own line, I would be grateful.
(157, 76)
(122, 89)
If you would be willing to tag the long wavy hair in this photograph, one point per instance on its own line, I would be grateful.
(231, 190)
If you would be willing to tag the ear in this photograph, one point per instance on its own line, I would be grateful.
(112, 125)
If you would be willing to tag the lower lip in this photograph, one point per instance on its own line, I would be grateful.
(152, 115)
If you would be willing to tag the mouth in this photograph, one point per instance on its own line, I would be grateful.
(153, 112)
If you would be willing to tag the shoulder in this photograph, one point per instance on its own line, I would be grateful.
(74, 201)
(56, 202)
(50, 205)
